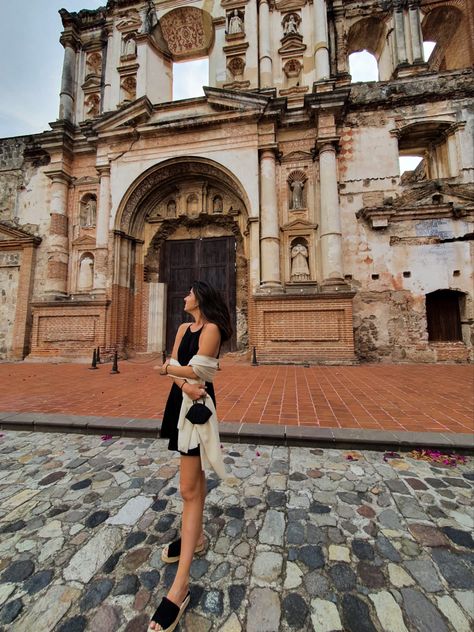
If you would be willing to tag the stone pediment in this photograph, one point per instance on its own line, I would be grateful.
(297, 156)
(221, 98)
(292, 45)
(11, 235)
(86, 241)
(430, 200)
(298, 224)
(138, 111)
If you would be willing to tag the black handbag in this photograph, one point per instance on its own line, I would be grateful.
(199, 413)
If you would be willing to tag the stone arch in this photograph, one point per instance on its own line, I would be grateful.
(448, 25)
(139, 199)
(368, 34)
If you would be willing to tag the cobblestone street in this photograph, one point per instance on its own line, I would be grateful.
(300, 539)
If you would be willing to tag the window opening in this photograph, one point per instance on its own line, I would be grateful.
(189, 77)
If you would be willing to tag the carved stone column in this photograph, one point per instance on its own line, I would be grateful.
(321, 46)
(415, 30)
(269, 225)
(264, 54)
(67, 94)
(399, 27)
(58, 240)
(330, 226)
(108, 73)
(102, 229)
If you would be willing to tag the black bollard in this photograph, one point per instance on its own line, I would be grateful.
(94, 361)
(98, 355)
(115, 364)
(163, 356)
(254, 357)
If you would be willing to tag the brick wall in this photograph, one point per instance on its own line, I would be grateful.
(306, 329)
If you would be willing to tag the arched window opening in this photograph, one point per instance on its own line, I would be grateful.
(448, 27)
(443, 315)
(189, 77)
(428, 48)
(363, 67)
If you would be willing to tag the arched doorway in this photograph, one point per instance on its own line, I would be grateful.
(181, 220)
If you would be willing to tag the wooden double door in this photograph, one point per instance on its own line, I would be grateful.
(187, 260)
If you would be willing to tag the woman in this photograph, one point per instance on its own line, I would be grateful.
(200, 339)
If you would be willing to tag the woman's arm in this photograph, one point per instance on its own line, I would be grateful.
(209, 343)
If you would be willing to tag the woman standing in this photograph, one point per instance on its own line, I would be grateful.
(193, 360)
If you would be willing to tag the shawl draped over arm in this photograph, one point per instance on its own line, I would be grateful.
(206, 436)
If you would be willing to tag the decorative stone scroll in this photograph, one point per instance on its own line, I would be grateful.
(188, 31)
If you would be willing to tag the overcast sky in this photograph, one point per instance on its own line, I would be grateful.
(31, 64)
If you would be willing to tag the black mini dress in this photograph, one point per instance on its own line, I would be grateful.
(188, 348)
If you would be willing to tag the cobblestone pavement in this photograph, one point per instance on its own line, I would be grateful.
(300, 539)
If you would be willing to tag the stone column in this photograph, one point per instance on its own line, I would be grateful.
(102, 229)
(269, 225)
(415, 30)
(108, 60)
(66, 97)
(58, 240)
(264, 55)
(399, 28)
(321, 46)
(330, 225)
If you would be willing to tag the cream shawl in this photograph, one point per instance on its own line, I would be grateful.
(206, 436)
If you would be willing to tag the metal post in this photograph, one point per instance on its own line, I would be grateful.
(94, 361)
(115, 364)
(98, 355)
(254, 357)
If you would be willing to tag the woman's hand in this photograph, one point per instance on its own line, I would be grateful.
(195, 391)
(162, 369)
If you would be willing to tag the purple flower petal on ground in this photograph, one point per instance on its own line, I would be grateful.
(106, 437)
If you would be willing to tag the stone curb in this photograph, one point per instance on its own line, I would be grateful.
(239, 432)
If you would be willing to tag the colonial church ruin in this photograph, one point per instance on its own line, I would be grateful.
(281, 185)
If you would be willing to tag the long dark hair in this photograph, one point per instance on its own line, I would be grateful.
(213, 307)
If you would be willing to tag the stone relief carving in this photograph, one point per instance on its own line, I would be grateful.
(292, 68)
(94, 64)
(92, 106)
(129, 88)
(187, 30)
(85, 279)
(87, 216)
(299, 261)
(236, 66)
(235, 22)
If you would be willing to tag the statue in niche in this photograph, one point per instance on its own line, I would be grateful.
(88, 212)
(129, 87)
(299, 263)
(236, 24)
(296, 194)
(171, 209)
(130, 47)
(217, 205)
(85, 279)
(291, 26)
(192, 204)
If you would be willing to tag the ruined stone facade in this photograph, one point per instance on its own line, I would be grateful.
(281, 185)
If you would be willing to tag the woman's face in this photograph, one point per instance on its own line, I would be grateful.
(190, 302)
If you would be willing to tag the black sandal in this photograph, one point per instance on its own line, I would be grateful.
(172, 552)
(168, 614)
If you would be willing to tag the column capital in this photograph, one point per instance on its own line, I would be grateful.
(69, 39)
(269, 151)
(103, 170)
(58, 175)
(325, 144)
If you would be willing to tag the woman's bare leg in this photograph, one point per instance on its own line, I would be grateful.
(193, 488)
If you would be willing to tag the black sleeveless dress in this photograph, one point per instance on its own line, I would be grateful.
(169, 427)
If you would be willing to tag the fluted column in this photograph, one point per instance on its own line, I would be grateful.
(102, 229)
(321, 46)
(58, 240)
(269, 225)
(330, 225)
(264, 55)
(108, 57)
(399, 28)
(66, 97)
(415, 31)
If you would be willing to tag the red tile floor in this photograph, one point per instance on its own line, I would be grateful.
(435, 398)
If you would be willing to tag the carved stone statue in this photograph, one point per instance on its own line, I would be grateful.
(299, 263)
(297, 195)
(151, 19)
(129, 87)
(291, 26)
(130, 47)
(236, 24)
(217, 208)
(92, 105)
(88, 212)
(85, 279)
(171, 209)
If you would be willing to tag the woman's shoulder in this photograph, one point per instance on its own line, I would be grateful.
(211, 328)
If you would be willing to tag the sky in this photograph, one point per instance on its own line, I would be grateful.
(32, 57)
